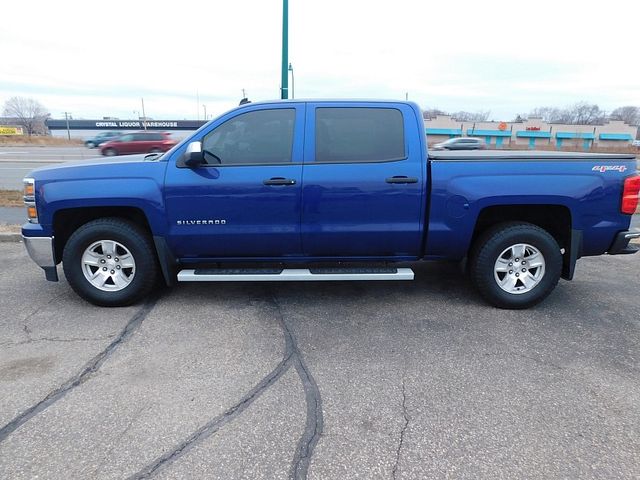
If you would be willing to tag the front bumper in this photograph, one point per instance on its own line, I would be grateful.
(41, 251)
(620, 245)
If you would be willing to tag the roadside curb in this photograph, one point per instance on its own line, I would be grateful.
(10, 237)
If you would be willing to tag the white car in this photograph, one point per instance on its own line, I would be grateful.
(461, 143)
(635, 143)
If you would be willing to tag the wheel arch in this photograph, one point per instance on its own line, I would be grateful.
(68, 220)
(554, 218)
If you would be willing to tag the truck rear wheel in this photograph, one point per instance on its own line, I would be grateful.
(110, 262)
(515, 265)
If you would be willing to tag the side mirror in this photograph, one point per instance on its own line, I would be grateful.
(193, 156)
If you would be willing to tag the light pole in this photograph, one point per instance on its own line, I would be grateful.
(66, 117)
(144, 115)
(284, 89)
(293, 84)
(205, 112)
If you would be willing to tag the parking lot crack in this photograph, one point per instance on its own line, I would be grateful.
(136, 416)
(85, 373)
(25, 325)
(215, 424)
(314, 421)
(403, 430)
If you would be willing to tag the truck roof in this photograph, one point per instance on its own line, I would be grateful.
(328, 100)
(499, 155)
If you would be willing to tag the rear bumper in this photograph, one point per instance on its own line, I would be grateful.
(620, 245)
(41, 251)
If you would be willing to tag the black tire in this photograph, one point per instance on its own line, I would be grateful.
(90, 145)
(110, 152)
(126, 233)
(492, 243)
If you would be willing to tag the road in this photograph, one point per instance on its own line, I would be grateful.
(16, 162)
(331, 380)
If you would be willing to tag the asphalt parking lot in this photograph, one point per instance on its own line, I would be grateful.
(329, 380)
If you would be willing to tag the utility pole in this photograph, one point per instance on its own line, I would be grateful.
(66, 117)
(144, 116)
(284, 89)
(205, 111)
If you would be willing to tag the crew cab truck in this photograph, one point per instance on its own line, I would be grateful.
(326, 190)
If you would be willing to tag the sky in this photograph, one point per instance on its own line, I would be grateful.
(98, 59)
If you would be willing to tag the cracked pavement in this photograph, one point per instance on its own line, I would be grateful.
(321, 380)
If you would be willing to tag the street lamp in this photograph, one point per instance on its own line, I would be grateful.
(293, 88)
(66, 117)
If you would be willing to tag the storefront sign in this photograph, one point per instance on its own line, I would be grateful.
(6, 130)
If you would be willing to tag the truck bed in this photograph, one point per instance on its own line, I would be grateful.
(524, 155)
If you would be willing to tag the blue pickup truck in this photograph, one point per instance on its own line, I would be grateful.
(326, 190)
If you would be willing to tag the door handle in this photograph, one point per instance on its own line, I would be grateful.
(401, 179)
(280, 181)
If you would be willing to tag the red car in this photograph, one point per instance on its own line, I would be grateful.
(138, 142)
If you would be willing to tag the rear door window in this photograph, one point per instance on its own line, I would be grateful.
(346, 135)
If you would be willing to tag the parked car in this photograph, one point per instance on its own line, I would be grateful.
(101, 138)
(138, 142)
(635, 143)
(461, 143)
(311, 190)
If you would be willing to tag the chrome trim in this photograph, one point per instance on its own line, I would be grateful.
(293, 275)
(632, 235)
(40, 250)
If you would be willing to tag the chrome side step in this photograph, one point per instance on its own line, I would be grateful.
(293, 274)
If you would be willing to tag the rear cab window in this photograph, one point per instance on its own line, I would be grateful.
(359, 135)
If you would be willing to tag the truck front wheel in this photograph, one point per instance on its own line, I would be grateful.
(110, 262)
(515, 265)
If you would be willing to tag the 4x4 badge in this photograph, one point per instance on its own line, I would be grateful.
(607, 168)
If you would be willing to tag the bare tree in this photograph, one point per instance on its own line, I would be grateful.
(629, 115)
(549, 114)
(581, 113)
(26, 112)
(480, 116)
(584, 113)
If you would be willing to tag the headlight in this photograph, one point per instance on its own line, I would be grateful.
(30, 199)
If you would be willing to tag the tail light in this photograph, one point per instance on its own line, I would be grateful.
(630, 195)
